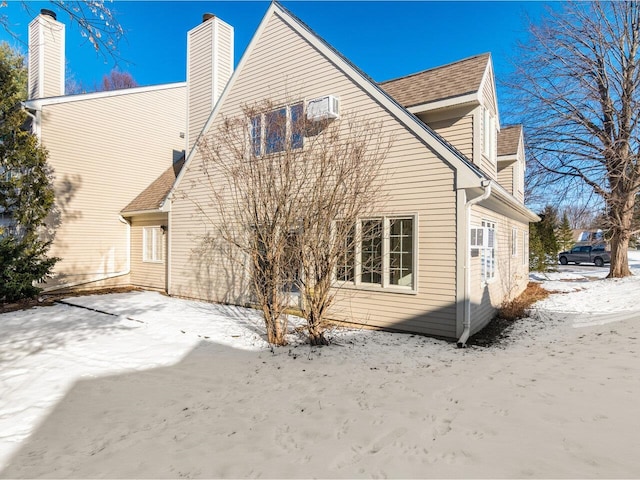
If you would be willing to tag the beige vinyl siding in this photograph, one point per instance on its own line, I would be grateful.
(284, 68)
(147, 274)
(511, 274)
(489, 94)
(199, 79)
(520, 169)
(104, 152)
(506, 179)
(34, 60)
(224, 57)
(488, 163)
(46, 61)
(458, 132)
(209, 69)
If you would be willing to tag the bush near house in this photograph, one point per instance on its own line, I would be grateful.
(26, 194)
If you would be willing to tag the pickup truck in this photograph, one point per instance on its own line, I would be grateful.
(586, 254)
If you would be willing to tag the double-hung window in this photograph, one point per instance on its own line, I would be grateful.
(488, 134)
(278, 130)
(484, 240)
(152, 244)
(384, 254)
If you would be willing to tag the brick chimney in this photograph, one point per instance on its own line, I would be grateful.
(209, 68)
(46, 56)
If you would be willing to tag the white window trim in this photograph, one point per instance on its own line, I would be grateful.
(487, 276)
(488, 135)
(385, 285)
(157, 235)
(263, 129)
(514, 242)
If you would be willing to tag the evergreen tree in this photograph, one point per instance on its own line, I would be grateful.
(26, 193)
(547, 230)
(537, 257)
(543, 244)
(564, 234)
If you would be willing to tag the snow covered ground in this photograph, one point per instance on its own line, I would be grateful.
(162, 387)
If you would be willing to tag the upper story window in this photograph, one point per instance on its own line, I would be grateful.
(278, 130)
(488, 134)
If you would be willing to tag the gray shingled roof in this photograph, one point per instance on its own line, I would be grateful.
(154, 195)
(448, 81)
(508, 140)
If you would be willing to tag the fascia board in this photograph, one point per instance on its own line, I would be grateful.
(38, 103)
(134, 213)
(468, 99)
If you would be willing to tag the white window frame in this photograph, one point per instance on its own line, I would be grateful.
(385, 282)
(261, 118)
(484, 239)
(525, 248)
(514, 242)
(153, 244)
(488, 134)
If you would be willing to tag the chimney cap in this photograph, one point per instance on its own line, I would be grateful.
(207, 16)
(48, 13)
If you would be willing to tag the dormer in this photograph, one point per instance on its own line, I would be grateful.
(459, 102)
(511, 160)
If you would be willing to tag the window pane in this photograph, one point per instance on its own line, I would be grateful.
(152, 247)
(297, 126)
(371, 256)
(345, 272)
(401, 252)
(275, 130)
(256, 135)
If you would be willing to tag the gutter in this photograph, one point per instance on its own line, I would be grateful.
(101, 277)
(486, 184)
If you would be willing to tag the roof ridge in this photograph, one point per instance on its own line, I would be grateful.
(514, 125)
(487, 54)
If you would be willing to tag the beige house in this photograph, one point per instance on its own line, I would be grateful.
(453, 178)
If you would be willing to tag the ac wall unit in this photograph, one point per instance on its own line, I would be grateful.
(323, 108)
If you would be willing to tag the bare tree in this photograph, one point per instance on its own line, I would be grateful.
(578, 82)
(287, 194)
(117, 80)
(341, 166)
(97, 22)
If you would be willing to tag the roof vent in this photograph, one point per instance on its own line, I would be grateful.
(48, 13)
(323, 108)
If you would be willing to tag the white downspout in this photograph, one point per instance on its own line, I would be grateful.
(101, 277)
(486, 184)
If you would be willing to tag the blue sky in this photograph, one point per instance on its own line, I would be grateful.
(385, 39)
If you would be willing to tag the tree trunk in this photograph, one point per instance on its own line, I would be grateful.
(317, 338)
(619, 267)
(621, 235)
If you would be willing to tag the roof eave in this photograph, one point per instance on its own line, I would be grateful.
(514, 208)
(135, 213)
(472, 98)
(38, 103)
